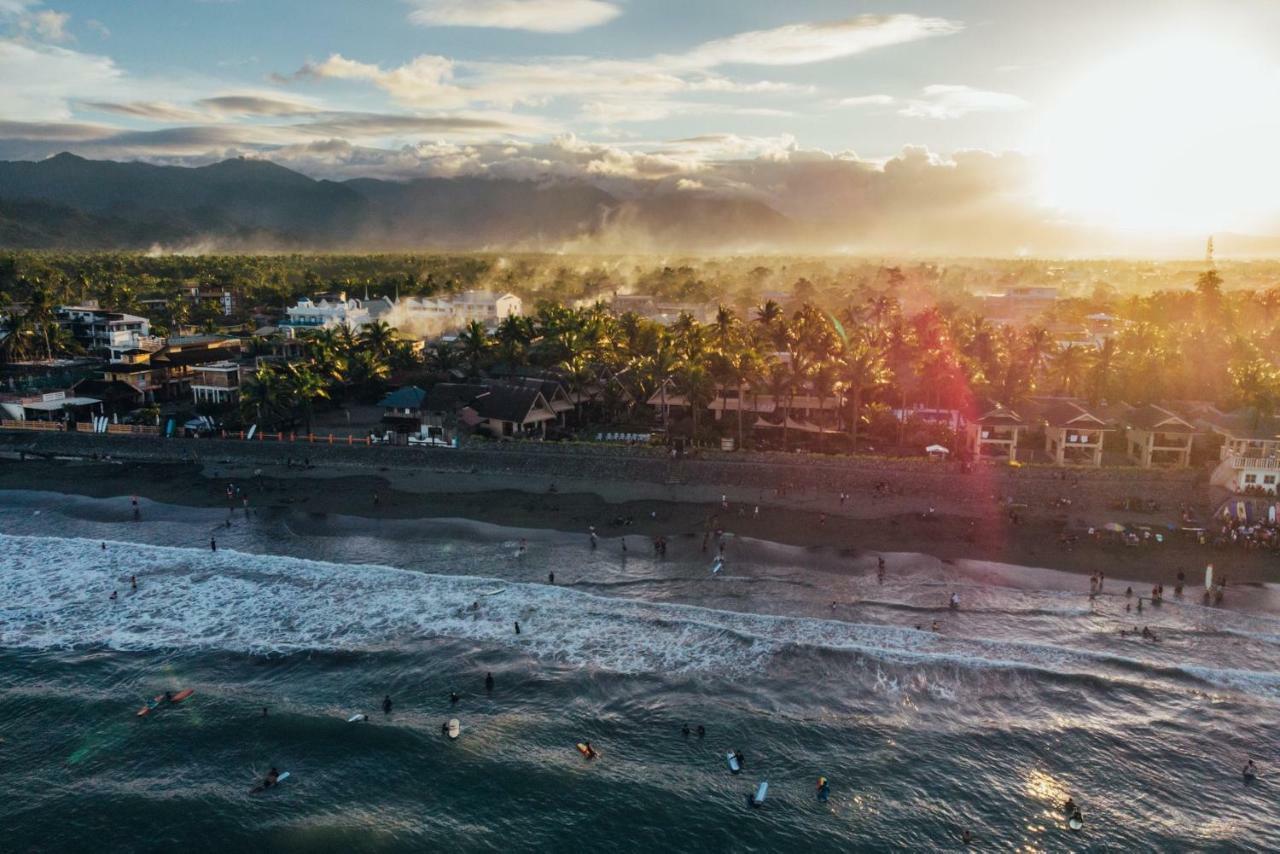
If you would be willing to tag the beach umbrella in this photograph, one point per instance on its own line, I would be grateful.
(936, 449)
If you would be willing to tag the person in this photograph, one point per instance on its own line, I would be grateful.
(213, 544)
(742, 760)
(114, 596)
(1128, 591)
(523, 547)
(955, 601)
(1139, 604)
(936, 626)
(551, 578)
(386, 704)
(701, 730)
(444, 728)
(264, 711)
(133, 582)
(966, 837)
(624, 544)
(168, 696)
(752, 802)
(228, 521)
(684, 730)
(756, 513)
(591, 751)
(1069, 807)
(272, 776)
(517, 627)
(1077, 816)
(1250, 770)
(488, 681)
(453, 697)
(824, 788)
(104, 547)
(592, 530)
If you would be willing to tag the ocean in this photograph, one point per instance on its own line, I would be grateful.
(800, 659)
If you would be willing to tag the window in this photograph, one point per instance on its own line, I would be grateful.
(1251, 478)
(1269, 479)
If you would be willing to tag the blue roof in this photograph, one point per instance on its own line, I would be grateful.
(409, 397)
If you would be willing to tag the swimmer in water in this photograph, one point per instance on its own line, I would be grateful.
(1250, 770)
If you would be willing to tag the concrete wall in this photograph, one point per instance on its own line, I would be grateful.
(932, 481)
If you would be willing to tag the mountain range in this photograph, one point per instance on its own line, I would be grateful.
(69, 202)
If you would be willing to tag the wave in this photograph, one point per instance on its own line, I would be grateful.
(55, 594)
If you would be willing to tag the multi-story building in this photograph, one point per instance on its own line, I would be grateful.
(107, 333)
(216, 383)
(327, 314)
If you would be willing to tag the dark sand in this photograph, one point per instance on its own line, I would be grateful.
(862, 525)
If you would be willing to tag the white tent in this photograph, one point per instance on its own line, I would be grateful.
(936, 450)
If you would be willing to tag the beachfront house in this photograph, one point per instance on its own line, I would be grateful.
(402, 410)
(64, 406)
(1073, 435)
(1154, 436)
(994, 433)
(1249, 460)
(497, 409)
(216, 383)
(107, 333)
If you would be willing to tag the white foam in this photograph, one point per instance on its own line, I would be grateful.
(54, 593)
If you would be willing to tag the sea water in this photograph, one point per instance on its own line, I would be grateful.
(798, 658)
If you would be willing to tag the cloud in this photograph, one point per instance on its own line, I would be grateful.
(540, 16)
(801, 44)
(50, 78)
(98, 27)
(952, 102)
(866, 101)
(256, 105)
(53, 131)
(383, 124)
(421, 81)
(157, 111)
(46, 24)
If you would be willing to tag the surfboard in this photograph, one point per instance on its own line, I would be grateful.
(361, 716)
(181, 695)
(761, 791)
(494, 592)
(282, 778)
(582, 748)
(1075, 824)
(454, 728)
(733, 763)
(717, 565)
(151, 706)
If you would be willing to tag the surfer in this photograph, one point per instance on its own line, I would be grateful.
(824, 789)
(386, 704)
(590, 751)
(213, 544)
(453, 697)
(701, 730)
(104, 547)
(1250, 770)
(1069, 807)
(444, 728)
(684, 730)
(742, 760)
(114, 596)
(955, 602)
(133, 582)
(517, 627)
(551, 578)
(273, 776)
(488, 681)
(1077, 820)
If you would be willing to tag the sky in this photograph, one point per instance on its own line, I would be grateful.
(1146, 115)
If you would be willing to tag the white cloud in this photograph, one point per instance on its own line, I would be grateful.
(801, 44)
(952, 102)
(51, 77)
(866, 101)
(47, 24)
(422, 81)
(98, 27)
(540, 16)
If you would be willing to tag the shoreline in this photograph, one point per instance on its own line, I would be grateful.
(859, 525)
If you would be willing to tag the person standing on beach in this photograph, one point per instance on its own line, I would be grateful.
(213, 544)
(551, 577)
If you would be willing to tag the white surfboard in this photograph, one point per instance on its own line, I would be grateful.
(357, 717)
(1075, 824)
(717, 565)
(454, 728)
(494, 592)
(733, 763)
(762, 791)
(282, 778)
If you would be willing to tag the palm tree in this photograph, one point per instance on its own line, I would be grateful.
(303, 387)
(862, 369)
(1257, 382)
(1069, 366)
(263, 395)
(1103, 366)
(380, 337)
(474, 341)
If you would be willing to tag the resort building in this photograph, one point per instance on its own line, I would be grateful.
(1249, 460)
(327, 314)
(216, 383)
(1073, 435)
(1154, 436)
(994, 434)
(107, 333)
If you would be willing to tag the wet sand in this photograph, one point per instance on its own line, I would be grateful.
(861, 524)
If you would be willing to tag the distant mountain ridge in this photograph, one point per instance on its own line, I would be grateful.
(68, 202)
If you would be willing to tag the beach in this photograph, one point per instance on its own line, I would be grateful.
(864, 522)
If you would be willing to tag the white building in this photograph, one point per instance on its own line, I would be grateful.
(109, 333)
(429, 317)
(327, 314)
(1249, 460)
(485, 306)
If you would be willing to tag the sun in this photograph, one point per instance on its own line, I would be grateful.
(1179, 135)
